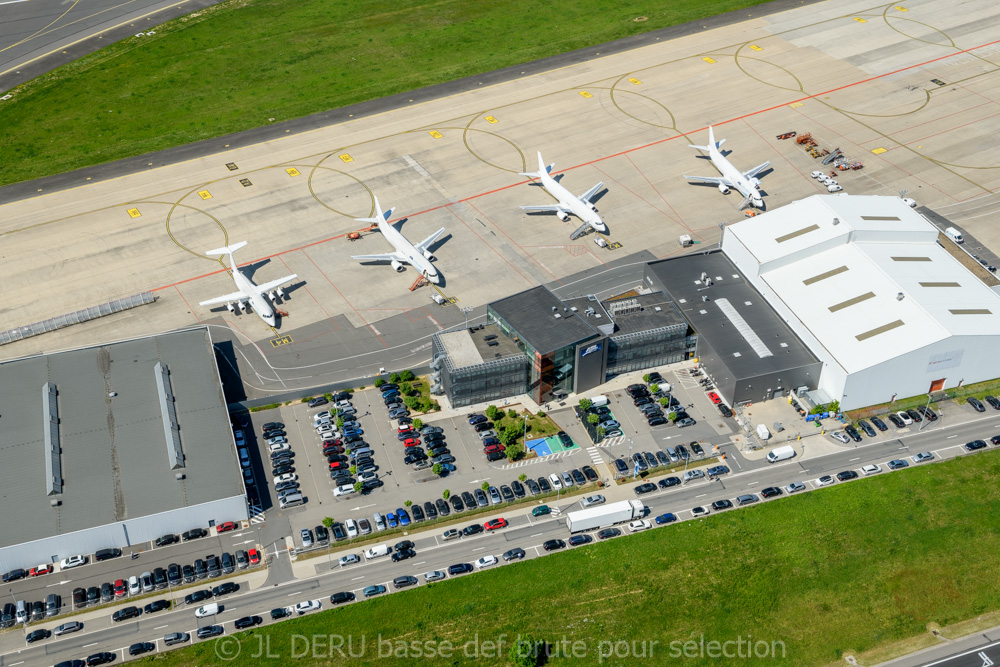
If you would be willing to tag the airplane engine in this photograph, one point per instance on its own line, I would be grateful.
(562, 216)
(723, 189)
(280, 292)
(272, 296)
(232, 309)
(428, 255)
(755, 181)
(396, 265)
(244, 306)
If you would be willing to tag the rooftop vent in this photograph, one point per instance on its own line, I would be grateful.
(899, 296)
(555, 308)
(558, 316)
(179, 476)
(704, 299)
(836, 221)
(574, 309)
(55, 502)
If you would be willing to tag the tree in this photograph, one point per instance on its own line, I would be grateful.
(664, 401)
(653, 388)
(524, 652)
(406, 375)
(412, 402)
(406, 389)
(446, 494)
(357, 487)
(585, 404)
(437, 469)
(509, 434)
(601, 431)
(512, 413)
(672, 416)
(354, 470)
(522, 477)
(491, 412)
(645, 378)
(408, 503)
(418, 424)
(379, 382)
(328, 522)
(540, 413)
(593, 419)
(514, 451)
(394, 377)
(485, 486)
(340, 422)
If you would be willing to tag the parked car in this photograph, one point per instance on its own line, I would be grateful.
(976, 404)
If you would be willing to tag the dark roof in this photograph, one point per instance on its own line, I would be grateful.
(681, 279)
(656, 311)
(530, 315)
(114, 451)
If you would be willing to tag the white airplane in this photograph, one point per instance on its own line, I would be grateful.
(418, 256)
(250, 295)
(568, 202)
(745, 182)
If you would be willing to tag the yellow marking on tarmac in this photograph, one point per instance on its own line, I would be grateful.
(346, 158)
(492, 120)
(292, 171)
(795, 105)
(134, 213)
(283, 340)
(231, 166)
(452, 299)
(755, 47)
(901, 8)
(860, 20)
(634, 81)
(614, 245)
(245, 182)
(436, 134)
(204, 194)
(708, 60)
(878, 151)
(584, 93)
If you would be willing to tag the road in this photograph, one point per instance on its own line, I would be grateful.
(524, 531)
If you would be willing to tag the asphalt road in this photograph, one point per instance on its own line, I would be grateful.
(524, 531)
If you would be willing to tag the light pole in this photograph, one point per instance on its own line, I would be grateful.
(635, 468)
(466, 311)
(926, 421)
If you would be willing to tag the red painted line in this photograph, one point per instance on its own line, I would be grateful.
(342, 295)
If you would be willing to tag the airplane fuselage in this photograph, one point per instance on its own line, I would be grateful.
(746, 186)
(581, 210)
(258, 301)
(408, 250)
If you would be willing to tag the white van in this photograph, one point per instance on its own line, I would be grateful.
(376, 552)
(780, 454)
(293, 500)
(599, 401)
(762, 432)
(207, 610)
(954, 235)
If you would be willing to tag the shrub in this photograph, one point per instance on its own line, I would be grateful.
(512, 413)
(586, 404)
(394, 378)
(485, 486)
(514, 451)
(491, 412)
(328, 522)
(418, 424)
(593, 419)
(540, 413)
(357, 487)
(524, 652)
(664, 401)
(653, 388)
(379, 382)
(412, 402)
(354, 470)
(437, 469)
(406, 389)
(306, 399)
(408, 503)
(601, 431)
(446, 494)
(406, 375)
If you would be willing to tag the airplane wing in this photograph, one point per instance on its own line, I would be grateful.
(229, 298)
(423, 245)
(756, 170)
(267, 287)
(585, 197)
(714, 180)
(550, 208)
(580, 231)
(387, 257)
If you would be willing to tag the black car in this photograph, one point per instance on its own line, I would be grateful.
(442, 507)
(276, 433)
(213, 564)
(896, 421)
(197, 596)
(608, 533)
(517, 553)
(697, 449)
(992, 400)
(468, 499)
(404, 581)
(853, 432)
(508, 495)
(647, 487)
(928, 414)
(141, 647)
(200, 569)
(430, 510)
(880, 425)
(93, 595)
(107, 554)
(225, 588)
(414, 457)
(682, 452)
(722, 504)
(156, 605)
(975, 444)
(640, 461)
(417, 512)
(102, 658)
(846, 475)
(282, 470)
(976, 405)
(403, 554)
(866, 428)
(577, 540)
(662, 458)
(159, 577)
(37, 635)
(126, 613)
(667, 482)
(553, 545)
(495, 456)
(342, 597)
(280, 612)
(459, 568)
(456, 503)
(79, 597)
(770, 492)
(518, 488)
(650, 459)
(211, 630)
(107, 592)
(322, 534)
(247, 622)
(13, 575)
(472, 529)
(483, 426)
(174, 574)
(532, 485)
(915, 416)
(620, 466)
(565, 439)
(438, 451)
(271, 425)
(318, 401)
(588, 472)
(724, 409)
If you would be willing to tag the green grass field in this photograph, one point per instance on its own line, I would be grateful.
(247, 63)
(848, 569)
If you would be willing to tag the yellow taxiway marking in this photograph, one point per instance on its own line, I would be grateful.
(346, 158)
(584, 93)
(134, 212)
(755, 47)
(283, 340)
(491, 120)
(292, 171)
(708, 60)
(795, 105)
(436, 134)
(634, 81)
(205, 194)
(878, 151)
(901, 8)
(860, 20)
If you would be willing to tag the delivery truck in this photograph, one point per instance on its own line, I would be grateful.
(605, 515)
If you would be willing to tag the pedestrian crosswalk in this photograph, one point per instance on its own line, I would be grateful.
(595, 454)
(611, 442)
(257, 514)
(548, 457)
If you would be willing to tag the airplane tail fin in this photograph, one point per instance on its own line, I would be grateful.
(711, 142)
(228, 250)
(380, 215)
(541, 168)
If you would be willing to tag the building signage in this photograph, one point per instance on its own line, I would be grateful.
(596, 347)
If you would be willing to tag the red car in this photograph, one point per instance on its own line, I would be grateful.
(495, 524)
(254, 556)
(403, 428)
(225, 527)
(39, 570)
(121, 590)
(489, 449)
(715, 397)
(337, 465)
(411, 442)
(327, 443)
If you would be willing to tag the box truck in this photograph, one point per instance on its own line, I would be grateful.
(780, 454)
(605, 515)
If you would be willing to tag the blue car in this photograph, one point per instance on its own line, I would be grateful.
(353, 431)
(477, 419)
(404, 517)
(669, 517)
(447, 467)
(391, 392)
(391, 520)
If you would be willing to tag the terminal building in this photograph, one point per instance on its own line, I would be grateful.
(538, 344)
(114, 445)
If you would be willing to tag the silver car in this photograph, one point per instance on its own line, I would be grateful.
(495, 496)
(795, 486)
(840, 436)
(434, 575)
(590, 501)
(67, 628)
(379, 521)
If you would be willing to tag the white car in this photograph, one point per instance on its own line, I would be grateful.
(340, 405)
(344, 490)
(134, 587)
(699, 511)
(640, 525)
(909, 202)
(324, 425)
(210, 609)
(352, 528)
(328, 435)
(321, 416)
(367, 476)
(72, 561)
(905, 418)
(485, 561)
(554, 480)
(277, 440)
(284, 447)
(795, 486)
(825, 480)
(287, 477)
(590, 501)
(871, 469)
(817, 174)
(308, 605)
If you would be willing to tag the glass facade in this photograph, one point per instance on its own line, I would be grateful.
(490, 380)
(646, 349)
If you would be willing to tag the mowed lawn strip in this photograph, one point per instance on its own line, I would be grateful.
(840, 570)
(241, 64)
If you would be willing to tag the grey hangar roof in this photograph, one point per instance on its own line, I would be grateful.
(113, 444)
